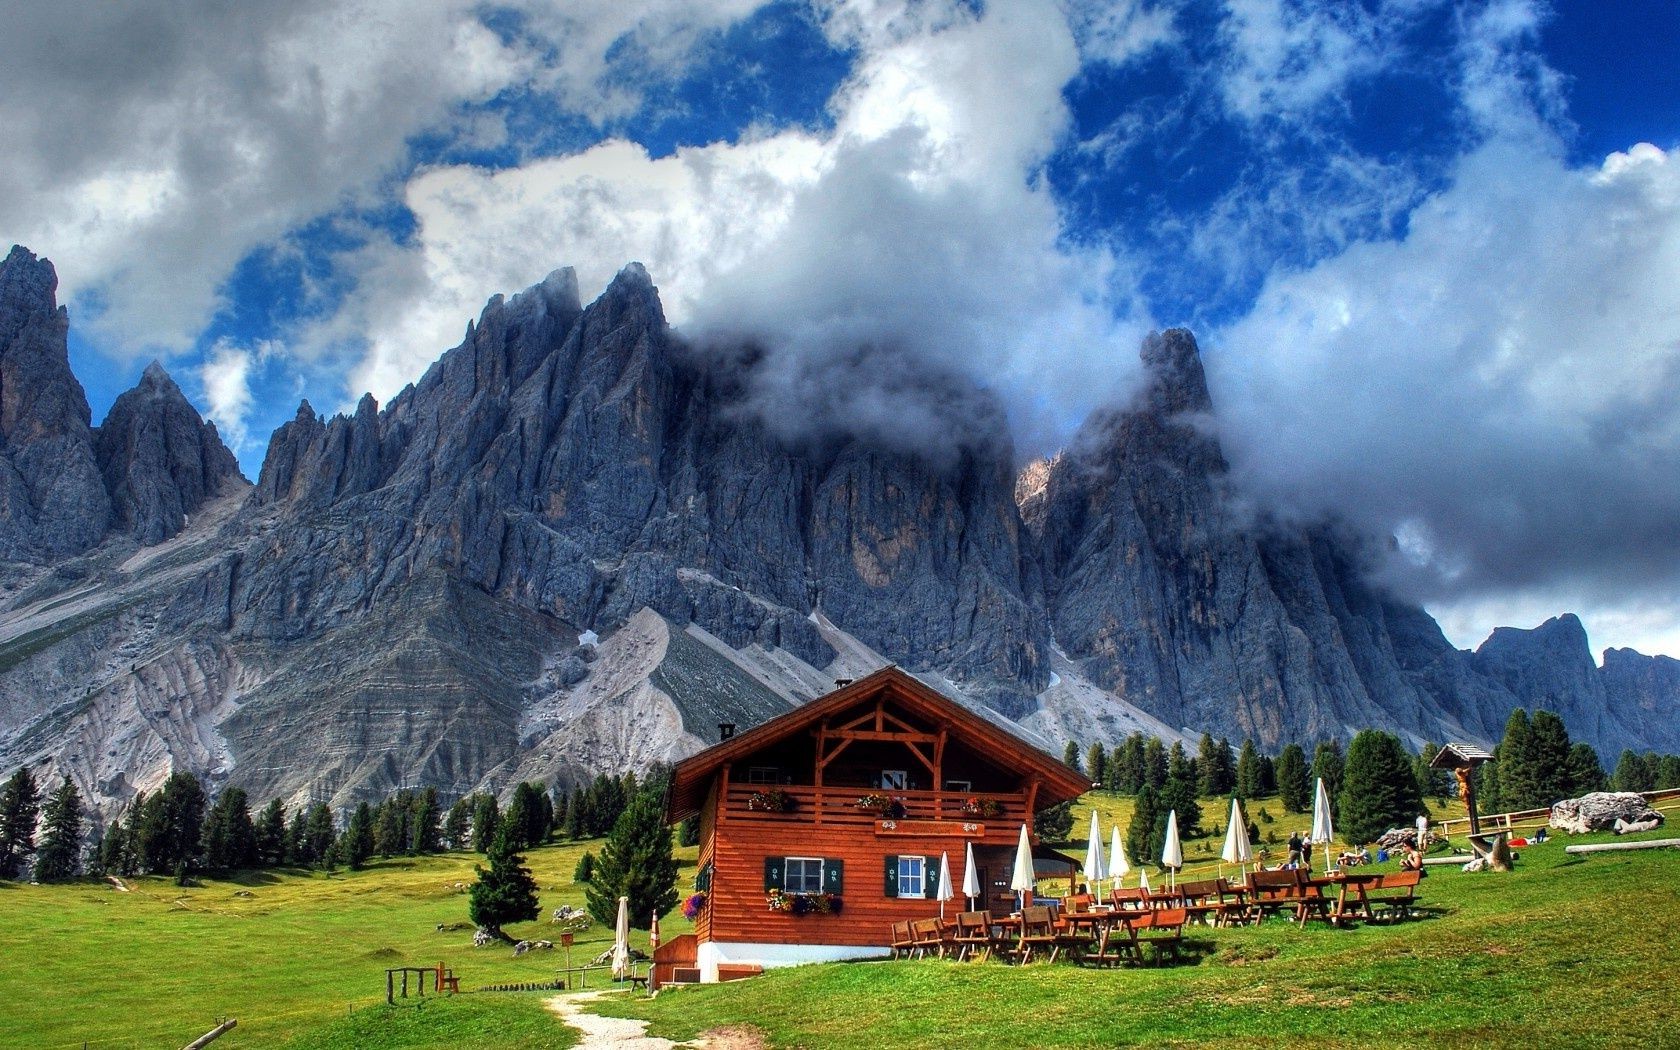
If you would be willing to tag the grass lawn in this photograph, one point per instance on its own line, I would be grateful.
(158, 966)
(1563, 952)
(1566, 951)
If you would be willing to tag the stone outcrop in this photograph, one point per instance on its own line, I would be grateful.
(1601, 811)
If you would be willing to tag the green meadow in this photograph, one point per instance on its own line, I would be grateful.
(1566, 951)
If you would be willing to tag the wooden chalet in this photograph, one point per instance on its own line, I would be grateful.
(822, 827)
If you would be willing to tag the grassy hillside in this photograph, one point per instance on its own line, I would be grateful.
(1575, 952)
(286, 954)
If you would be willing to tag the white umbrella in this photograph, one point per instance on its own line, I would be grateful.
(1236, 849)
(1021, 879)
(945, 892)
(1172, 851)
(1321, 829)
(621, 941)
(1094, 872)
(1118, 867)
(1143, 879)
(971, 878)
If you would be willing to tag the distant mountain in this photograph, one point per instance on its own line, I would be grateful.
(404, 595)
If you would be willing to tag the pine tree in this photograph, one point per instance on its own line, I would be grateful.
(1329, 764)
(357, 843)
(172, 825)
(1519, 774)
(1055, 823)
(389, 832)
(115, 857)
(20, 806)
(505, 892)
(1268, 776)
(271, 835)
(424, 831)
(1154, 772)
(1293, 780)
(487, 818)
(1207, 767)
(1142, 841)
(1549, 756)
(321, 834)
(134, 825)
(61, 837)
(1179, 793)
(524, 816)
(1379, 788)
(457, 827)
(1096, 762)
(1432, 783)
(230, 838)
(585, 870)
(637, 862)
(1248, 770)
(573, 823)
(1667, 774)
(1070, 756)
(297, 839)
(1585, 773)
(688, 832)
(1489, 793)
(1131, 775)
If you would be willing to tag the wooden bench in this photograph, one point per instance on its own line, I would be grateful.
(1273, 891)
(1038, 933)
(1395, 892)
(1161, 930)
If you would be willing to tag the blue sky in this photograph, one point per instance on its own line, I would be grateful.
(1431, 249)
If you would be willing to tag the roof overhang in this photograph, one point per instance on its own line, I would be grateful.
(692, 776)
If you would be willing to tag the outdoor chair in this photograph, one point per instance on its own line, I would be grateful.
(1038, 934)
(973, 930)
(901, 943)
(927, 935)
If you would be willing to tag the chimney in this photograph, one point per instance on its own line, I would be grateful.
(725, 731)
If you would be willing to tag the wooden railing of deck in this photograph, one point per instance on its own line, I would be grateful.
(837, 806)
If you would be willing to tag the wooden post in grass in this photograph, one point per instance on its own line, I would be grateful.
(212, 1035)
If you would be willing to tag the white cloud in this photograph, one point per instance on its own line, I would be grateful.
(151, 147)
(918, 224)
(1498, 382)
(226, 377)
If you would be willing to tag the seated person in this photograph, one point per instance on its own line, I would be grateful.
(1410, 859)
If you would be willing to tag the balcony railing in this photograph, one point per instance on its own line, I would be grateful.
(837, 806)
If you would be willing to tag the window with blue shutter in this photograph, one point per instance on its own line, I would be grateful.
(772, 873)
(832, 872)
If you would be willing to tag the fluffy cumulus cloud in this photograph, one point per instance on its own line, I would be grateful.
(151, 147)
(1495, 388)
(915, 227)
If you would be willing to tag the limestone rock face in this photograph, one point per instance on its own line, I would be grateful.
(159, 459)
(53, 501)
(1601, 810)
(575, 546)
(1166, 594)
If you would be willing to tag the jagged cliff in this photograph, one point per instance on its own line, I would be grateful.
(411, 593)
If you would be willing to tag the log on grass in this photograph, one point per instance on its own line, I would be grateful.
(212, 1035)
(1607, 847)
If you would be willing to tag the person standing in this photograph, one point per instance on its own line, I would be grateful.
(1296, 848)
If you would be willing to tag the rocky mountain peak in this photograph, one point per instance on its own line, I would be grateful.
(28, 289)
(1177, 383)
(159, 459)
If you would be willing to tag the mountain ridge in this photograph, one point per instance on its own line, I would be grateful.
(415, 581)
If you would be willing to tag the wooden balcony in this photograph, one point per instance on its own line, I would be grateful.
(924, 812)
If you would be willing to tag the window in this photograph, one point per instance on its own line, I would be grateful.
(803, 875)
(894, 779)
(959, 785)
(912, 881)
(764, 775)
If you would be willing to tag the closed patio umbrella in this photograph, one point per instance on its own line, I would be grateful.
(1021, 879)
(1118, 866)
(1237, 849)
(1321, 829)
(971, 878)
(1172, 851)
(1143, 879)
(1094, 872)
(621, 941)
(945, 891)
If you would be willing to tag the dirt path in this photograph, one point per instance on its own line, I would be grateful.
(619, 1033)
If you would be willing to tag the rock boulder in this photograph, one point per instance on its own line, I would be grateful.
(1601, 810)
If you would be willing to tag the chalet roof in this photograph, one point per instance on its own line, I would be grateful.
(1058, 783)
(1458, 755)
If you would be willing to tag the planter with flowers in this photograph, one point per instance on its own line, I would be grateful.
(773, 800)
(982, 807)
(693, 906)
(881, 806)
(803, 903)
